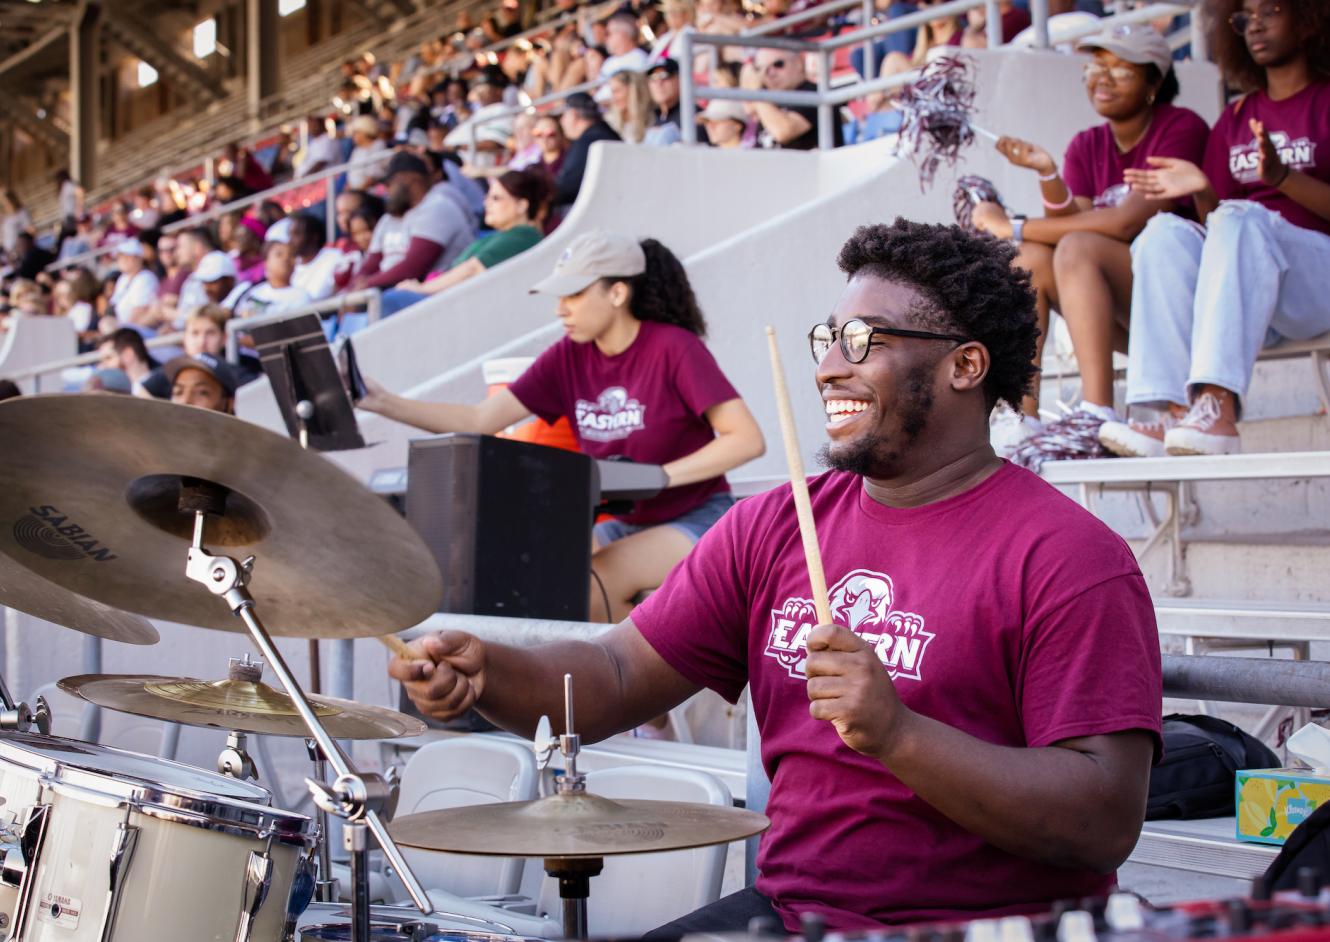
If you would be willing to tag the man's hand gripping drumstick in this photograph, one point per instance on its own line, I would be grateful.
(847, 685)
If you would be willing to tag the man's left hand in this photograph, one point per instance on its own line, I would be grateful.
(849, 688)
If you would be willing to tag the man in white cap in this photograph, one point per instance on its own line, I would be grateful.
(366, 171)
(217, 274)
(136, 288)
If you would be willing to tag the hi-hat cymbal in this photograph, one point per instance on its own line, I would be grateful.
(240, 705)
(28, 592)
(88, 493)
(576, 825)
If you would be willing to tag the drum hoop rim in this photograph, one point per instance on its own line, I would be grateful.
(45, 766)
(262, 822)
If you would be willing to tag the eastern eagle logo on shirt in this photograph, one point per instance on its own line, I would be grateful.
(1298, 155)
(612, 416)
(861, 601)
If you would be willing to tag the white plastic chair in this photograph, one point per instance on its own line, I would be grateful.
(454, 773)
(638, 892)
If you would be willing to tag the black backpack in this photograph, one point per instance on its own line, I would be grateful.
(1195, 778)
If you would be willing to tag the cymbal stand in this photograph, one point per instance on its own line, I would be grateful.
(234, 760)
(325, 888)
(17, 715)
(573, 873)
(355, 797)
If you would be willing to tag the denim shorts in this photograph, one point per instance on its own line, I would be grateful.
(692, 524)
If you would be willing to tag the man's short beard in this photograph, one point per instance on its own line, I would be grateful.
(879, 457)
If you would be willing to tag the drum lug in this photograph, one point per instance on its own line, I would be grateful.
(23, 855)
(258, 881)
(122, 851)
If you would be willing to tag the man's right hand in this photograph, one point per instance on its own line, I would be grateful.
(1024, 154)
(446, 674)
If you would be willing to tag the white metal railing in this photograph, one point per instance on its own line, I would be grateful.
(372, 298)
(216, 212)
(35, 373)
(825, 98)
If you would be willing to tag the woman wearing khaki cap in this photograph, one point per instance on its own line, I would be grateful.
(635, 381)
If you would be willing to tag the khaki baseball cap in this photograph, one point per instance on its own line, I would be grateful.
(590, 257)
(1140, 43)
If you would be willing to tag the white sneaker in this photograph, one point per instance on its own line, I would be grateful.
(1137, 439)
(1195, 434)
(1008, 430)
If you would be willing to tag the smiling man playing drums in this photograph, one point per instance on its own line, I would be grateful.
(973, 736)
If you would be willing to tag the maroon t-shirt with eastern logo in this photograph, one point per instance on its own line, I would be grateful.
(645, 404)
(1092, 165)
(1299, 126)
(1008, 612)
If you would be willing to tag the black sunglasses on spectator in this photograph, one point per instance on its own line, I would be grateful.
(856, 338)
(775, 64)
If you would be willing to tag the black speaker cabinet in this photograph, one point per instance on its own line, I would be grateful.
(509, 524)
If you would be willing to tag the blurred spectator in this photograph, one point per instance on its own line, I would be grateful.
(14, 218)
(119, 227)
(901, 42)
(666, 125)
(623, 40)
(360, 233)
(678, 15)
(73, 297)
(320, 152)
(279, 167)
(124, 349)
(449, 102)
(275, 294)
(630, 110)
(174, 269)
(69, 199)
(228, 189)
(242, 164)
(27, 298)
(933, 38)
(82, 240)
(316, 262)
(192, 247)
(514, 209)
(172, 205)
(348, 201)
(1014, 19)
(368, 141)
(793, 128)
(583, 126)
(483, 136)
(30, 259)
(247, 248)
(109, 381)
(549, 137)
(204, 333)
(220, 282)
(525, 150)
(725, 122)
(422, 232)
(9, 390)
(144, 215)
(204, 381)
(136, 289)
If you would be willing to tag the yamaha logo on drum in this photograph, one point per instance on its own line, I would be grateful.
(48, 532)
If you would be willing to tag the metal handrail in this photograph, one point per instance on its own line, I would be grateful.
(245, 202)
(35, 373)
(372, 298)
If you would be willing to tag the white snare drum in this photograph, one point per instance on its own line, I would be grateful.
(103, 845)
(331, 922)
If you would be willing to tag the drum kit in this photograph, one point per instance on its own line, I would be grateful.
(114, 510)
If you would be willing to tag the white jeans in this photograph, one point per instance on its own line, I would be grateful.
(1204, 301)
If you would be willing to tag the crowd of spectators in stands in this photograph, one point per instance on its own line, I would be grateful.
(448, 179)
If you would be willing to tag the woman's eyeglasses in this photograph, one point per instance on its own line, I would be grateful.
(1243, 19)
(856, 338)
(1117, 75)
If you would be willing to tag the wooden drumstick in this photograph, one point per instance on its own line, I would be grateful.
(398, 647)
(803, 507)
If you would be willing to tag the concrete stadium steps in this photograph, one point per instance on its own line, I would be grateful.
(1267, 569)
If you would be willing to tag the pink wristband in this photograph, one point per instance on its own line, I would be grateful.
(1063, 205)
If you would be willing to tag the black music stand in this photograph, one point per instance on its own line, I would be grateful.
(311, 391)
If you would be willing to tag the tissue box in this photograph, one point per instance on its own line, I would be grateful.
(1272, 802)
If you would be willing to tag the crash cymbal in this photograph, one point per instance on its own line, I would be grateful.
(576, 825)
(240, 705)
(88, 493)
(26, 591)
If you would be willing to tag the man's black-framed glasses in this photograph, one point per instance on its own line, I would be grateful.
(856, 337)
(1243, 19)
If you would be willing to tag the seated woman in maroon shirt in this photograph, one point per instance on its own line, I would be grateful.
(635, 381)
(1079, 254)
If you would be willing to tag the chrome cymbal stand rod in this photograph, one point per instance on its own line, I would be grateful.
(325, 888)
(353, 796)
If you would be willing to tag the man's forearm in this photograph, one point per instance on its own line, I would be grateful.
(524, 684)
(1056, 805)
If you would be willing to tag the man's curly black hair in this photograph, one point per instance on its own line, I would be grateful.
(971, 289)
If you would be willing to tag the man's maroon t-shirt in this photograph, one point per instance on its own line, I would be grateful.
(645, 404)
(1092, 166)
(1007, 612)
(1300, 129)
